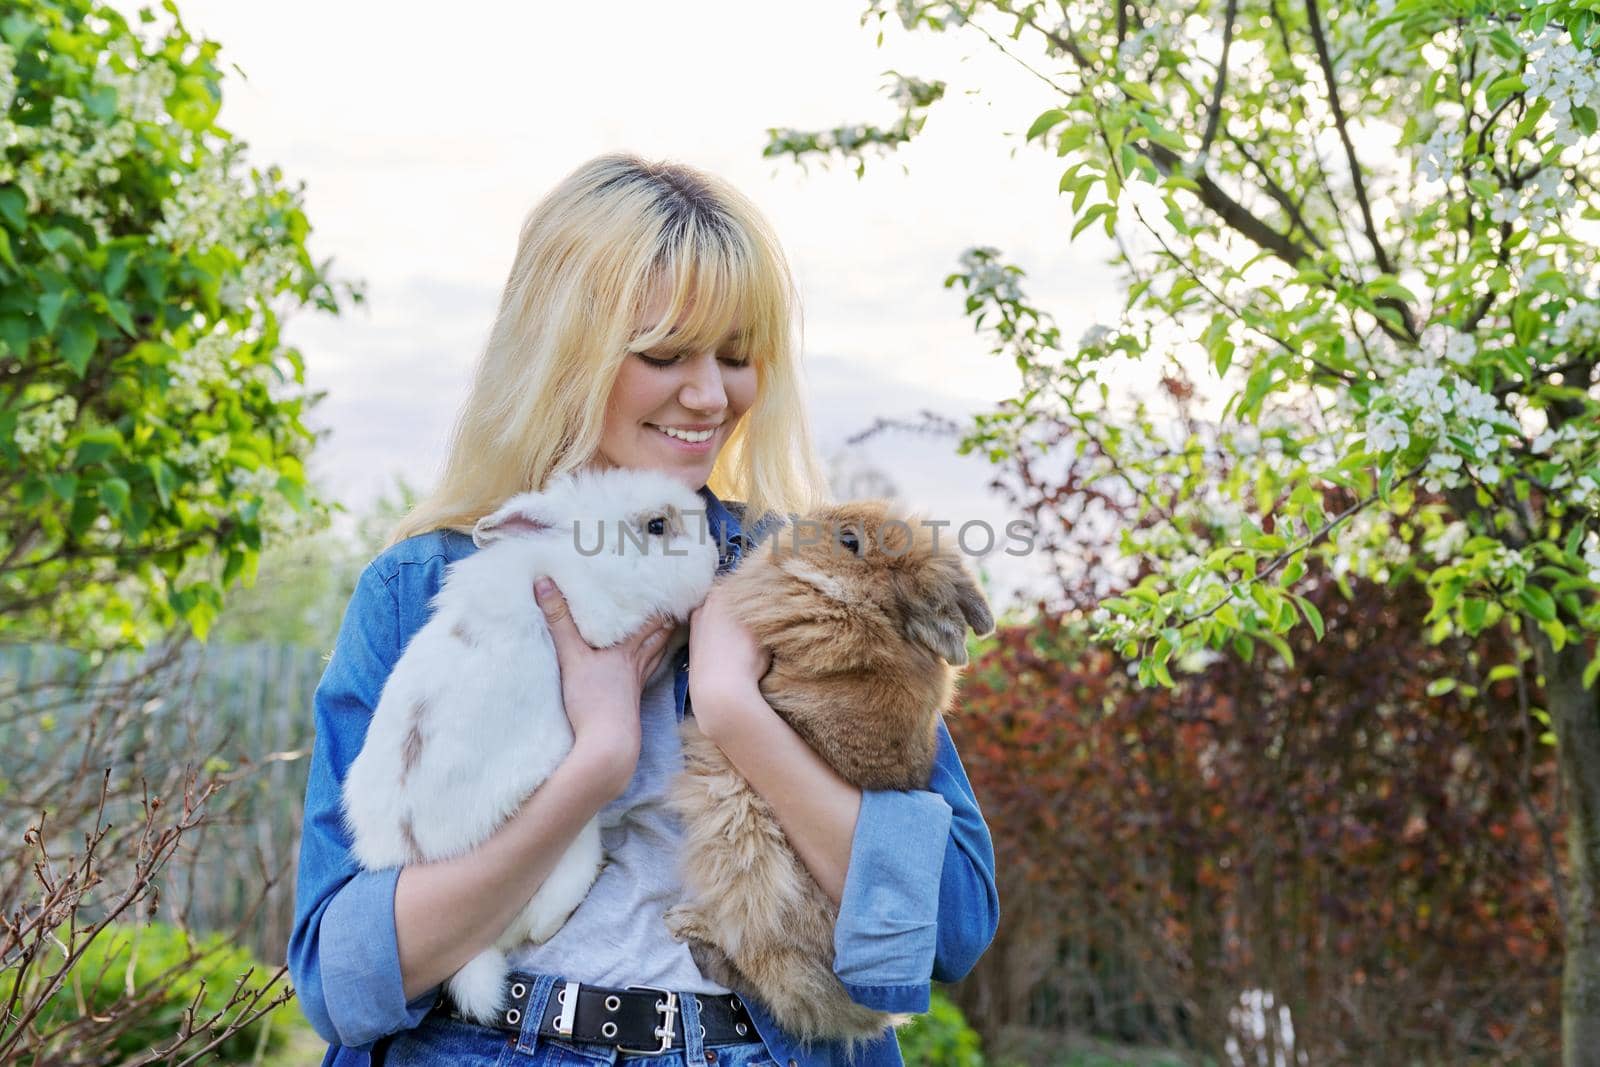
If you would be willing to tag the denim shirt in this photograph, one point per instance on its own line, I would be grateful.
(919, 899)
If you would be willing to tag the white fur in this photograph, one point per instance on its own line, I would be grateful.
(483, 671)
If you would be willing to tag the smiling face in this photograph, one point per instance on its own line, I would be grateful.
(672, 407)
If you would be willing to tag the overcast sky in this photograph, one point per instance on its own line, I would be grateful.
(424, 133)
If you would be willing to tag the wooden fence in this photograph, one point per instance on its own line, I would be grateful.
(245, 709)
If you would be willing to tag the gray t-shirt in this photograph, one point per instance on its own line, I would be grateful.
(616, 937)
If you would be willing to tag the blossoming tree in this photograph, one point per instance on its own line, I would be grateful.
(150, 416)
(1366, 232)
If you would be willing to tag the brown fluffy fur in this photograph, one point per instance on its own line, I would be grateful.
(862, 646)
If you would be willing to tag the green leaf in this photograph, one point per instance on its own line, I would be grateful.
(1503, 671)
(154, 279)
(14, 207)
(1540, 604)
(95, 446)
(15, 331)
(5, 250)
(1584, 118)
(114, 494)
(64, 486)
(116, 275)
(295, 493)
(1385, 285)
(1160, 134)
(1279, 645)
(50, 305)
(1504, 86)
(119, 315)
(1504, 45)
(164, 478)
(1138, 91)
(1309, 610)
(1053, 117)
(1088, 217)
(59, 237)
(78, 340)
(1440, 686)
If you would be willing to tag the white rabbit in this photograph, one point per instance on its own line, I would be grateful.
(471, 718)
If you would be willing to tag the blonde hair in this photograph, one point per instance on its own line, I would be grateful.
(590, 255)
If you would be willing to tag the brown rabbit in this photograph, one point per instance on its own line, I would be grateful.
(864, 620)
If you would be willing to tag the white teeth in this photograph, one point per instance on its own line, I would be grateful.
(694, 437)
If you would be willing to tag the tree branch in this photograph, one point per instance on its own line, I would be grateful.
(1340, 123)
(1279, 194)
(1214, 116)
(1229, 210)
(1503, 256)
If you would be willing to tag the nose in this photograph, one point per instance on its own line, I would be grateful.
(702, 389)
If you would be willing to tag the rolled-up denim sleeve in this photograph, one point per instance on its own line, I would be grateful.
(919, 898)
(342, 950)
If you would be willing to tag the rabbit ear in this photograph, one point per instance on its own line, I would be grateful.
(974, 605)
(941, 627)
(521, 516)
(940, 634)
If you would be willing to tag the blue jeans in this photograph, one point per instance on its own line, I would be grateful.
(440, 1041)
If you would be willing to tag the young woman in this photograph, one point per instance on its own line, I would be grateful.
(647, 323)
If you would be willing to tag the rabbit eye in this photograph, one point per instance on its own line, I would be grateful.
(850, 542)
(656, 526)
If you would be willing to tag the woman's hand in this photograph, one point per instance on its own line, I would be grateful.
(600, 687)
(726, 665)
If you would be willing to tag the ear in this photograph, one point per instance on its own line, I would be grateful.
(940, 625)
(938, 633)
(521, 516)
(974, 605)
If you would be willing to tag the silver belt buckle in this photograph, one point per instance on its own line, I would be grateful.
(668, 1010)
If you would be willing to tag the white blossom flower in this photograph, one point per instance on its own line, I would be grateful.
(202, 454)
(1387, 432)
(1506, 206)
(1440, 340)
(1578, 326)
(1507, 563)
(8, 79)
(1531, 271)
(1464, 424)
(1444, 544)
(986, 277)
(46, 425)
(259, 482)
(1443, 472)
(1440, 153)
(1565, 76)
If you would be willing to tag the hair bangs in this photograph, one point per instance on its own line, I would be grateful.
(721, 295)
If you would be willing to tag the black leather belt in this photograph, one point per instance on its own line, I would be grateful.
(641, 1019)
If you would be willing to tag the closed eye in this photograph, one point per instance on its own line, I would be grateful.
(727, 359)
(655, 361)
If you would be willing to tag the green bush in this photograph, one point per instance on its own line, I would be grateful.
(941, 1038)
(124, 964)
(152, 433)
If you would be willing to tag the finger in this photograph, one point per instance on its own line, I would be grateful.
(648, 629)
(654, 650)
(557, 616)
(654, 640)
